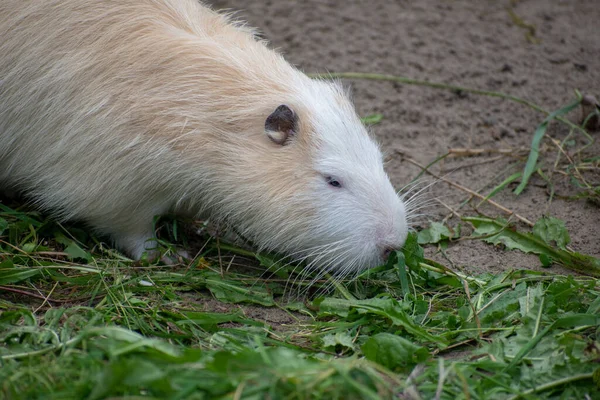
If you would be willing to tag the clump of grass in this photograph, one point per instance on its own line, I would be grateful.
(92, 324)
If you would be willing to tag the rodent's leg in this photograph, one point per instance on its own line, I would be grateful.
(142, 239)
(132, 229)
(137, 242)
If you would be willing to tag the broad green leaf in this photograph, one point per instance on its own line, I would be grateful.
(530, 303)
(393, 352)
(563, 322)
(384, 307)
(230, 291)
(594, 308)
(72, 249)
(127, 373)
(10, 274)
(125, 341)
(498, 231)
(29, 247)
(497, 308)
(545, 260)
(434, 234)
(14, 317)
(552, 230)
(333, 342)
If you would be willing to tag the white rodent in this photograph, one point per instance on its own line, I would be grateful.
(113, 112)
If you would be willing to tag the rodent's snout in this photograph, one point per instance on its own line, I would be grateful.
(392, 236)
(387, 251)
(387, 248)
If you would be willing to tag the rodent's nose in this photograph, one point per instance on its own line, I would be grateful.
(385, 253)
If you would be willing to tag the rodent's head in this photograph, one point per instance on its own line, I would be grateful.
(325, 196)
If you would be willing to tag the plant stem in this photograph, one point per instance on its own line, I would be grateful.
(550, 385)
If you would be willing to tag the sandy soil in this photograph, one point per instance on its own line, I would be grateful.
(473, 44)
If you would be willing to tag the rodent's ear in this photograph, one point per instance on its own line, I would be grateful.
(281, 124)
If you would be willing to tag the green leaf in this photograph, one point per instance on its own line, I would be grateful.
(128, 373)
(3, 225)
(545, 260)
(230, 291)
(10, 274)
(400, 267)
(434, 234)
(499, 232)
(29, 247)
(13, 317)
(594, 308)
(372, 119)
(124, 341)
(413, 252)
(72, 249)
(564, 322)
(501, 186)
(384, 307)
(394, 352)
(273, 266)
(337, 341)
(552, 230)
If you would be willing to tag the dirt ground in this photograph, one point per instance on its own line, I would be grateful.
(484, 45)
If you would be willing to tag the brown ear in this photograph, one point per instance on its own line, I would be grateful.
(281, 124)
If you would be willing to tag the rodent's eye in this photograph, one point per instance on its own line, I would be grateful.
(333, 182)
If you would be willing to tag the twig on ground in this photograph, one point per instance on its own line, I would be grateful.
(452, 211)
(558, 144)
(475, 164)
(34, 295)
(466, 152)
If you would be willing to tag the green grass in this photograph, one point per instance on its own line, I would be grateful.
(77, 320)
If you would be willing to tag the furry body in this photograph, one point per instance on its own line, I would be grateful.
(115, 111)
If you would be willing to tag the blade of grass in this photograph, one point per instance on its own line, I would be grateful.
(540, 131)
(501, 186)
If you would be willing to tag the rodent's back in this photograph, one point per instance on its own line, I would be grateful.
(141, 82)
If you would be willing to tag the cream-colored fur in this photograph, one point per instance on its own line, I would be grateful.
(116, 111)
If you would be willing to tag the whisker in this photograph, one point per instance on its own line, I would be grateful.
(325, 269)
(313, 264)
(411, 186)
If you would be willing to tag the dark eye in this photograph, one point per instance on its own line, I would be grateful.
(333, 182)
